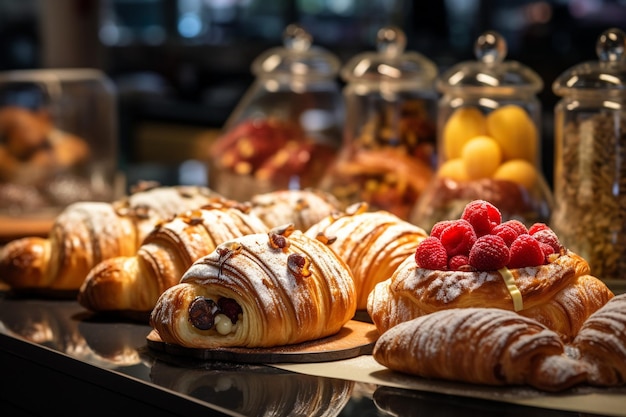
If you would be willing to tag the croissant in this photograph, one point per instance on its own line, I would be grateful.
(480, 345)
(601, 343)
(373, 244)
(132, 284)
(86, 233)
(560, 295)
(302, 208)
(258, 290)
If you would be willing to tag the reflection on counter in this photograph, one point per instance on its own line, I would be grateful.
(255, 389)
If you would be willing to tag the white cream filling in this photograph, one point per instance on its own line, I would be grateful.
(516, 295)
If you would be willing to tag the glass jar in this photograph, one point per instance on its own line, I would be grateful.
(286, 127)
(590, 158)
(489, 144)
(389, 141)
(58, 145)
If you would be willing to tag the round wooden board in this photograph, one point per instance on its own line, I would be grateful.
(354, 339)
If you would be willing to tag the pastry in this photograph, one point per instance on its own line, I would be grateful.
(601, 343)
(373, 244)
(133, 283)
(303, 208)
(259, 290)
(479, 261)
(85, 233)
(480, 345)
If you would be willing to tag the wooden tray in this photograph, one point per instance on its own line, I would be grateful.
(354, 339)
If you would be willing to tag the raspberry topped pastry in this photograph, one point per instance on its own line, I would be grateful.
(481, 261)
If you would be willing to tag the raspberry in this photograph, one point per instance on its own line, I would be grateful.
(507, 233)
(519, 227)
(548, 237)
(459, 263)
(430, 254)
(547, 251)
(537, 227)
(482, 215)
(458, 238)
(526, 251)
(439, 227)
(489, 253)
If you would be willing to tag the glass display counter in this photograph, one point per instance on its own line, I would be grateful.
(58, 359)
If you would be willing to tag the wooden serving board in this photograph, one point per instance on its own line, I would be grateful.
(354, 339)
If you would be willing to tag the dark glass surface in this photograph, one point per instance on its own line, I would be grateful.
(83, 360)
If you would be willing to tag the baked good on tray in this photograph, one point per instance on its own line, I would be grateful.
(480, 261)
(85, 233)
(259, 290)
(493, 346)
(601, 343)
(303, 208)
(372, 243)
(130, 285)
(487, 346)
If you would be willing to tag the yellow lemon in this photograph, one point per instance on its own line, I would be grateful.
(464, 124)
(453, 169)
(519, 171)
(481, 156)
(515, 131)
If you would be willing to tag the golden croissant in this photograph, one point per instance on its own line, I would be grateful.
(601, 343)
(258, 290)
(302, 208)
(560, 295)
(480, 345)
(86, 233)
(373, 244)
(131, 284)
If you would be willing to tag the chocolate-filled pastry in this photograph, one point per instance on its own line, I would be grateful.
(303, 208)
(480, 345)
(601, 343)
(373, 244)
(131, 284)
(86, 233)
(259, 290)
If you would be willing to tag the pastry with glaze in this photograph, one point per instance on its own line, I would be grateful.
(601, 343)
(302, 208)
(373, 244)
(487, 346)
(86, 233)
(259, 290)
(554, 286)
(130, 285)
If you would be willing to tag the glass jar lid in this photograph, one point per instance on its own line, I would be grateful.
(390, 63)
(296, 58)
(490, 74)
(607, 74)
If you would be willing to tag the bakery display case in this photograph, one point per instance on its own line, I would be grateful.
(58, 144)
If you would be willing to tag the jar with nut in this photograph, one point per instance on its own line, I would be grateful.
(286, 127)
(389, 140)
(488, 133)
(590, 158)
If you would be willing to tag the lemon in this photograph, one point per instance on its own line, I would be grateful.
(515, 131)
(519, 171)
(481, 156)
(464, 124)
(453, 169)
